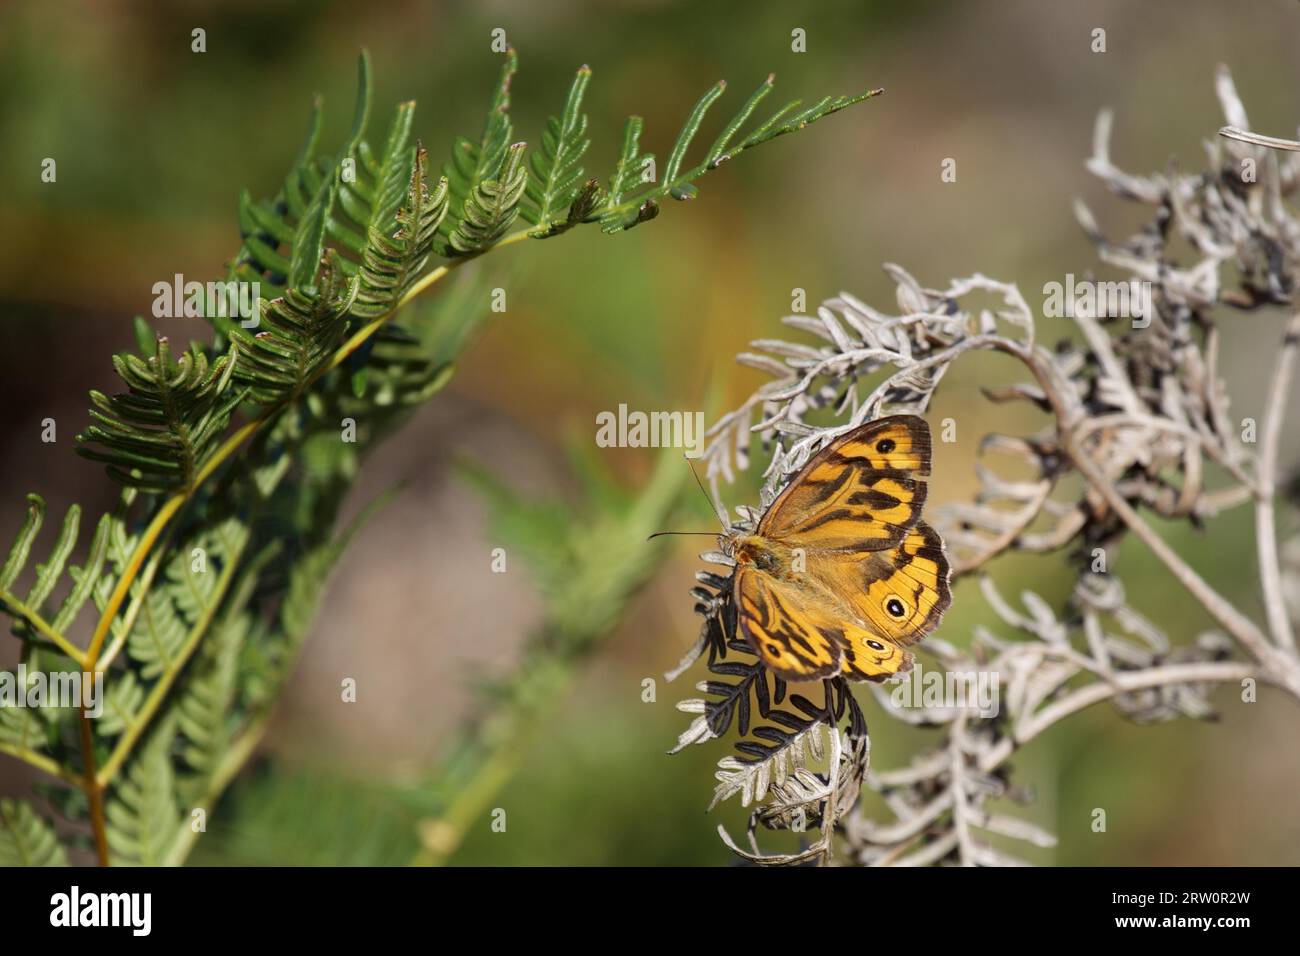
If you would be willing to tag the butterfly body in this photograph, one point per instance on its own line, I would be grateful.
(767, 555)
(841, 572)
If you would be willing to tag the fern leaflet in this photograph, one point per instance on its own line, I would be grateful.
(158, 434)
(391, 266)
(298, 334)
(26, 838)
(492, 207)
(143, 813)
(555, 166)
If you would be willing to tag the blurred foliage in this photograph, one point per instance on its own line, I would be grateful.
(588, 562)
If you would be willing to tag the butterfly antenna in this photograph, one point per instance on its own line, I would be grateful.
(722, 517)
(717, 510)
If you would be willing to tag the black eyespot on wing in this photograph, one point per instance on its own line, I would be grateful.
(875, 645)
(886, 445)
(895, 607)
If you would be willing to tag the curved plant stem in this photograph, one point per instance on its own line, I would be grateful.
(94, 794)
(1123, 683)
(1270, 575)
(43, 627)
(129, 573)
(132, 612)
(165, 680)
(441, 838)
(1244, 630)
(42, 763)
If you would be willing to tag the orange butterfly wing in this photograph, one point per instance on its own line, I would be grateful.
(900, 594)
(859, 493)
(875, 577)
(784, 628)
(801, 635)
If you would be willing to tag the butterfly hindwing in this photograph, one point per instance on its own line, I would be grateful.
(900, 594)
(872, 658)
(860, 493)
(782, 629)
(800, 634)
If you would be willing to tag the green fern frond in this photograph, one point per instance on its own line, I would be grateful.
(688, 131)
(335, 181)
(22, 546)
(556, 172)
(270, 652)
(309, 238)
(297, 335)
(159, 433)
(588, 564)
(29, 610)
(308, 579)
(319, 207)
(195, 647)
(194, 574)
(399, 373)
(391, 266)
(27, 838)
(205, 707)
(412, 361)
(632, 167)
(373, 198)
(492, 207)
(475, 163)
(269, 225)
(626, 205)
(119, 546)
(335, 201)
(143, 813)
(176, 607)
(231, 669)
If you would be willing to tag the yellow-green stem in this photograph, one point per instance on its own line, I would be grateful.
(42, 763)
(43, 627)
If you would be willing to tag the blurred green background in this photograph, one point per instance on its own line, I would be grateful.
(154, 142)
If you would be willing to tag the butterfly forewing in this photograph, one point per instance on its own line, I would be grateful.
(860, 493)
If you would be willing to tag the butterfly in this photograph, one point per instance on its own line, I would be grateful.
(841, 573)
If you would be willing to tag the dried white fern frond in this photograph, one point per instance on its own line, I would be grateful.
(1139, 412)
